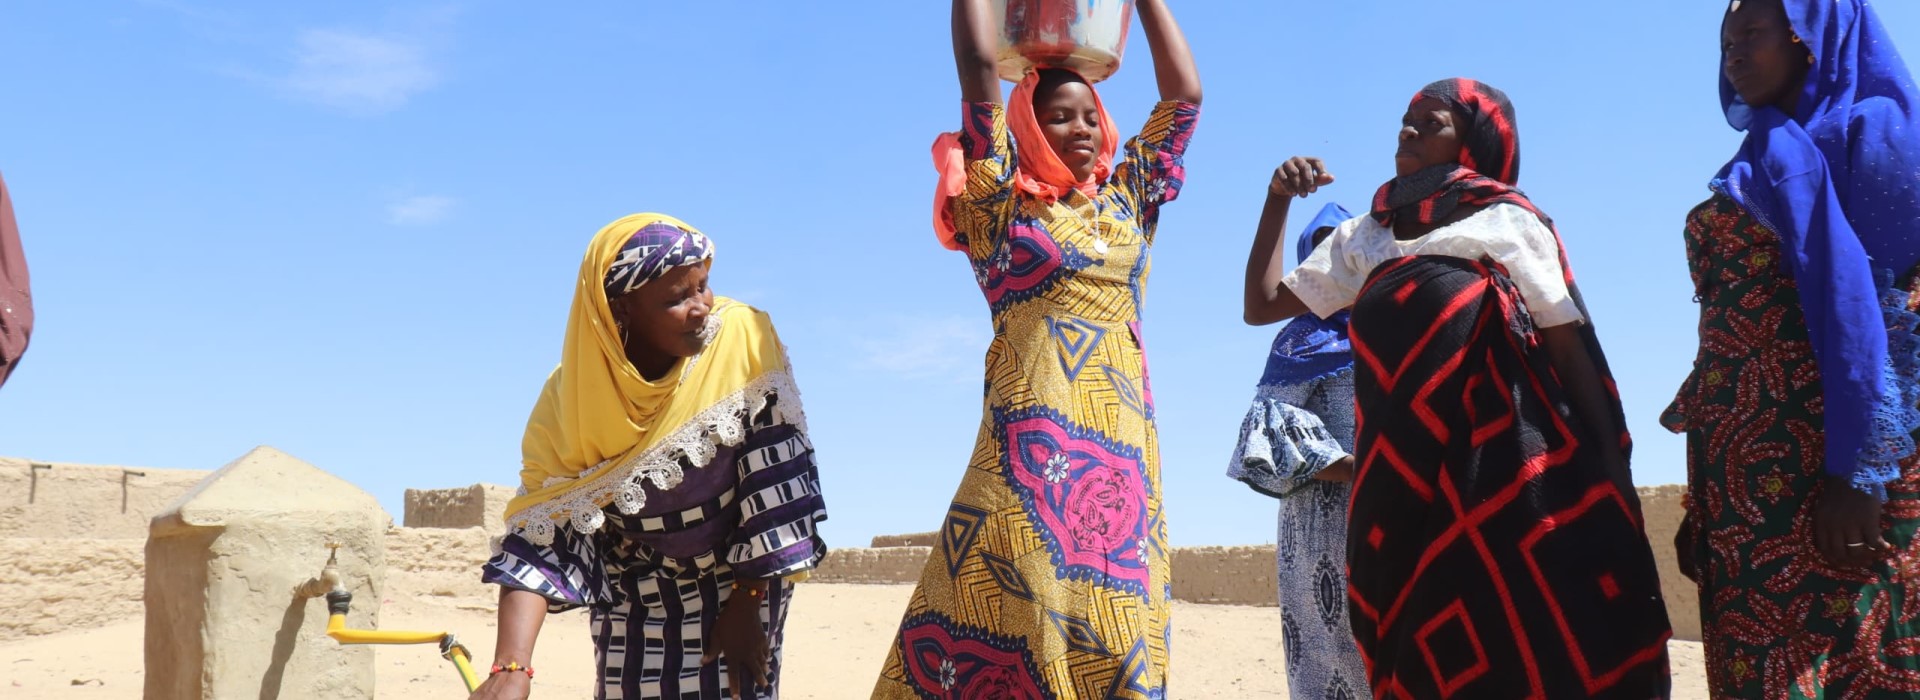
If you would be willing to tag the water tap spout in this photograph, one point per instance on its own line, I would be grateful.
(329, 579)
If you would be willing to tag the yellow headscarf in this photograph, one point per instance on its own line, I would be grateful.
(599, 428)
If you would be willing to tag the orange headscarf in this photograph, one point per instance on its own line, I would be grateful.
(1041, 173)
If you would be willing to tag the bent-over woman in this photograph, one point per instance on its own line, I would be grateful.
(667, 483)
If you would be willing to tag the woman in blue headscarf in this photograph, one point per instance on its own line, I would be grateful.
(1296, 445)
(1803, 492)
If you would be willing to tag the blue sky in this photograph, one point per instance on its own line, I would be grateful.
(349, 230)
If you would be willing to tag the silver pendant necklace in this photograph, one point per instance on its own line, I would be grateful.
(1092, 227)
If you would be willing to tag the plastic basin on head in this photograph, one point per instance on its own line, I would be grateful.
(1088, 36)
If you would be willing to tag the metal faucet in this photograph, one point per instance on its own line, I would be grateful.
(340, 603)
(329, 579)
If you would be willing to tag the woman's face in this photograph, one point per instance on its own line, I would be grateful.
(665, 318)
(1320, 236)
(1759, 56)
(1069, 116)
(1427, 137)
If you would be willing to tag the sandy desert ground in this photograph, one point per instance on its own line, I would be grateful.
(837, 639)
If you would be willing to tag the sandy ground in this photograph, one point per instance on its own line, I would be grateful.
(837, 637)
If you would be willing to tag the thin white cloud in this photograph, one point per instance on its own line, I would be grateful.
(358, 72)
(926, 348)
(419, 211)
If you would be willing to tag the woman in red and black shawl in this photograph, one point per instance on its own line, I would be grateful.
(1495, 545)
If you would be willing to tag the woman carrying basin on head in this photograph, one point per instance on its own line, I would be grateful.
(1050, 577)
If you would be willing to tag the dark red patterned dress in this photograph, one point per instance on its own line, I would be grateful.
(1491, 554)
(1778, 622)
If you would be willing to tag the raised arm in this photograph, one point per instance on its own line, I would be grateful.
(1267, 299)
(974, 46)
(1172, 60)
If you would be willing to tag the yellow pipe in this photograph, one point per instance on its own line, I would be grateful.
(465, 666)
(337, 629)
(338, 602)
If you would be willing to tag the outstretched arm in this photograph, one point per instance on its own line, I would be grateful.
(973, 51)
(521, 613)
(1172, 60)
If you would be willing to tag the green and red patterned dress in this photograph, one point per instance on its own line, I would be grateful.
(1778, 621)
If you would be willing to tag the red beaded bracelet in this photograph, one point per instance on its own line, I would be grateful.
(511, 666)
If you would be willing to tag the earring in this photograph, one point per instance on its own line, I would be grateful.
(1809, 59)
(624, 341)
(1796, 37)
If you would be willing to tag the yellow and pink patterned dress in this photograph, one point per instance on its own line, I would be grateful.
(1050, 577)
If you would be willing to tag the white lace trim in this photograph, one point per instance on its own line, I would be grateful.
(722, 424)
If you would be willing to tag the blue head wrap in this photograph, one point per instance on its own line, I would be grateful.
(1310, 347)
(1839, 183)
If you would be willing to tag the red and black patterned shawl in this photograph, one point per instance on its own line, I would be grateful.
(1488, 173)
(1490, 553)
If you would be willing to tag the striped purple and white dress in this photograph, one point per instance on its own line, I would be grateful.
(655, 581)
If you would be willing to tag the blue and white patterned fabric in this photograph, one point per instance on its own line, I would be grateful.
(1291, 433)
(1301, 422)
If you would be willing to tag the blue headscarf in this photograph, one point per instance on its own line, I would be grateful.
(1839, 183)
(1310, 347)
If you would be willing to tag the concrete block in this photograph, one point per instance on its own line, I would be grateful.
(919, 539)
(58, 585)
(1661, 505)
(222, 563)
(480, 505)
(438, 563)
(884, 565)
(1226, 575)
(58, 500)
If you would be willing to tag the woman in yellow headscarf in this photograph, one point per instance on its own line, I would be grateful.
(667, 482)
